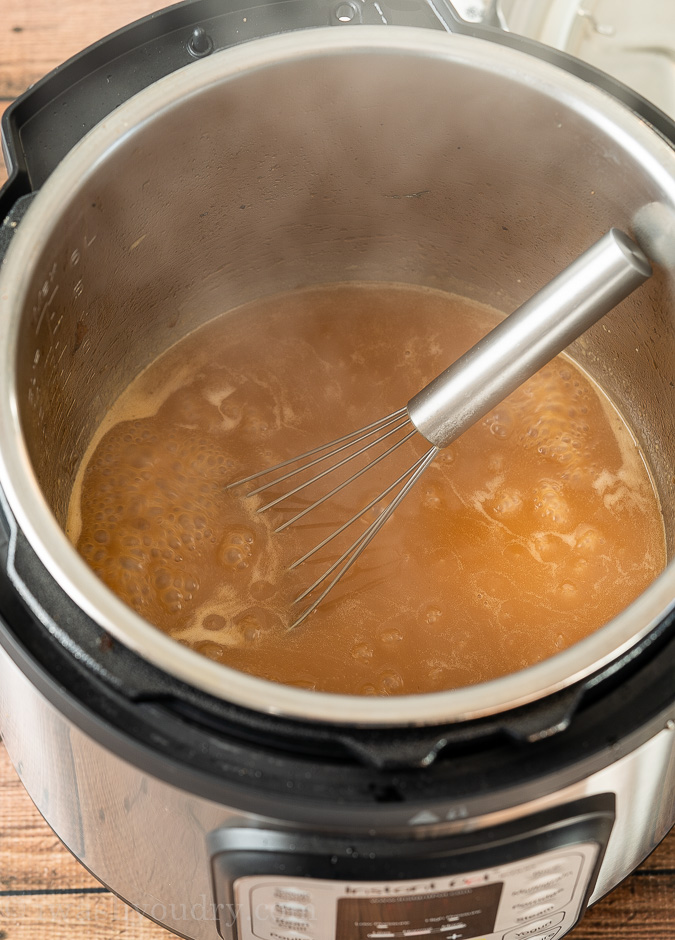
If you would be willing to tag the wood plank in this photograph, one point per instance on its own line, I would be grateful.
(4, 102)
(31, 857)
(642, 908)
(662, 859)
(38, 35)
(45, 894)
(74, 917)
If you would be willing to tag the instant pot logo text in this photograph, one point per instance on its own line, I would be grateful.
(387, 891)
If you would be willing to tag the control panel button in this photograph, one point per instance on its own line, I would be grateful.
(550, 884)
(288, 935)
(556, 895)
(291, 893)
(547, 871)
(538, 910)
(532, 903)
(549, 935)
(543, 884)
(550, 894)
(533, 930)
(292, 909)
(292, 923)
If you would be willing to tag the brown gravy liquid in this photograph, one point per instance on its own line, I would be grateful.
(530, 531)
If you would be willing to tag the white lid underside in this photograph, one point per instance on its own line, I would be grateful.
(632, 40)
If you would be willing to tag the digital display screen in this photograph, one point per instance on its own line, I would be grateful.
(459, 914)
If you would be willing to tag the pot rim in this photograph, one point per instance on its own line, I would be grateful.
(58, 555)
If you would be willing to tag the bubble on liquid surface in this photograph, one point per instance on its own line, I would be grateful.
(212, 650)
(309, 685)
(549, 502)
(390, 682)
(432, 497)
(501, 422)
(432, 615)
(549, 547)
(253, 624)
(236, 547)
(391, 636)
(508, 502)
(568, 594)
(214, 622)
(588, 540)
(362, 652)
(263, 590)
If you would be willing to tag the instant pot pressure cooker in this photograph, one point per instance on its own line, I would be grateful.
(233, 153)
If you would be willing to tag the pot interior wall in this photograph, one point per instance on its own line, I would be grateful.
(348, 166)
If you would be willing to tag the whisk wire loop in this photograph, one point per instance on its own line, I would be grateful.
(331, 469)
(361, 512)
(341, 486)
(350, 555)
(354, 437)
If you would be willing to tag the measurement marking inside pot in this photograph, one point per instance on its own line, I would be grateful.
(379, 10)
(44, 309)
(418, 195)
(137, 242)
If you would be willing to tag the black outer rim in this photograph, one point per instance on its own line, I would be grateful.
(159, 724)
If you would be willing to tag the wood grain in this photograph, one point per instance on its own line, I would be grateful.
(3, 170)
(45, 894)
(38, 35)
(99, 916)
(30, 854)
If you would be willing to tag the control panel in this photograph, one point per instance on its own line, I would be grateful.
(539, 899)
(528, 879)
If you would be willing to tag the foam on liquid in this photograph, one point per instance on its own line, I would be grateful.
(529, 532)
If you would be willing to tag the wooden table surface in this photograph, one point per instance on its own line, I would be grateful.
(44, 893)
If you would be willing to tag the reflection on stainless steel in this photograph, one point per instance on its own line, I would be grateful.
(487, 12)
(654, 225)
(634, 42)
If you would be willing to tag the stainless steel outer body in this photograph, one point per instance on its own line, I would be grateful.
(147, 839)
(317, 156)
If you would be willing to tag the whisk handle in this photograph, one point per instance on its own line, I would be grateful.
(530, 337)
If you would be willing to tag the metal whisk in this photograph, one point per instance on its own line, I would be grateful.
(500, 362)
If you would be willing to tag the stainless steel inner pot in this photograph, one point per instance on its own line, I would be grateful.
(354, 154)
